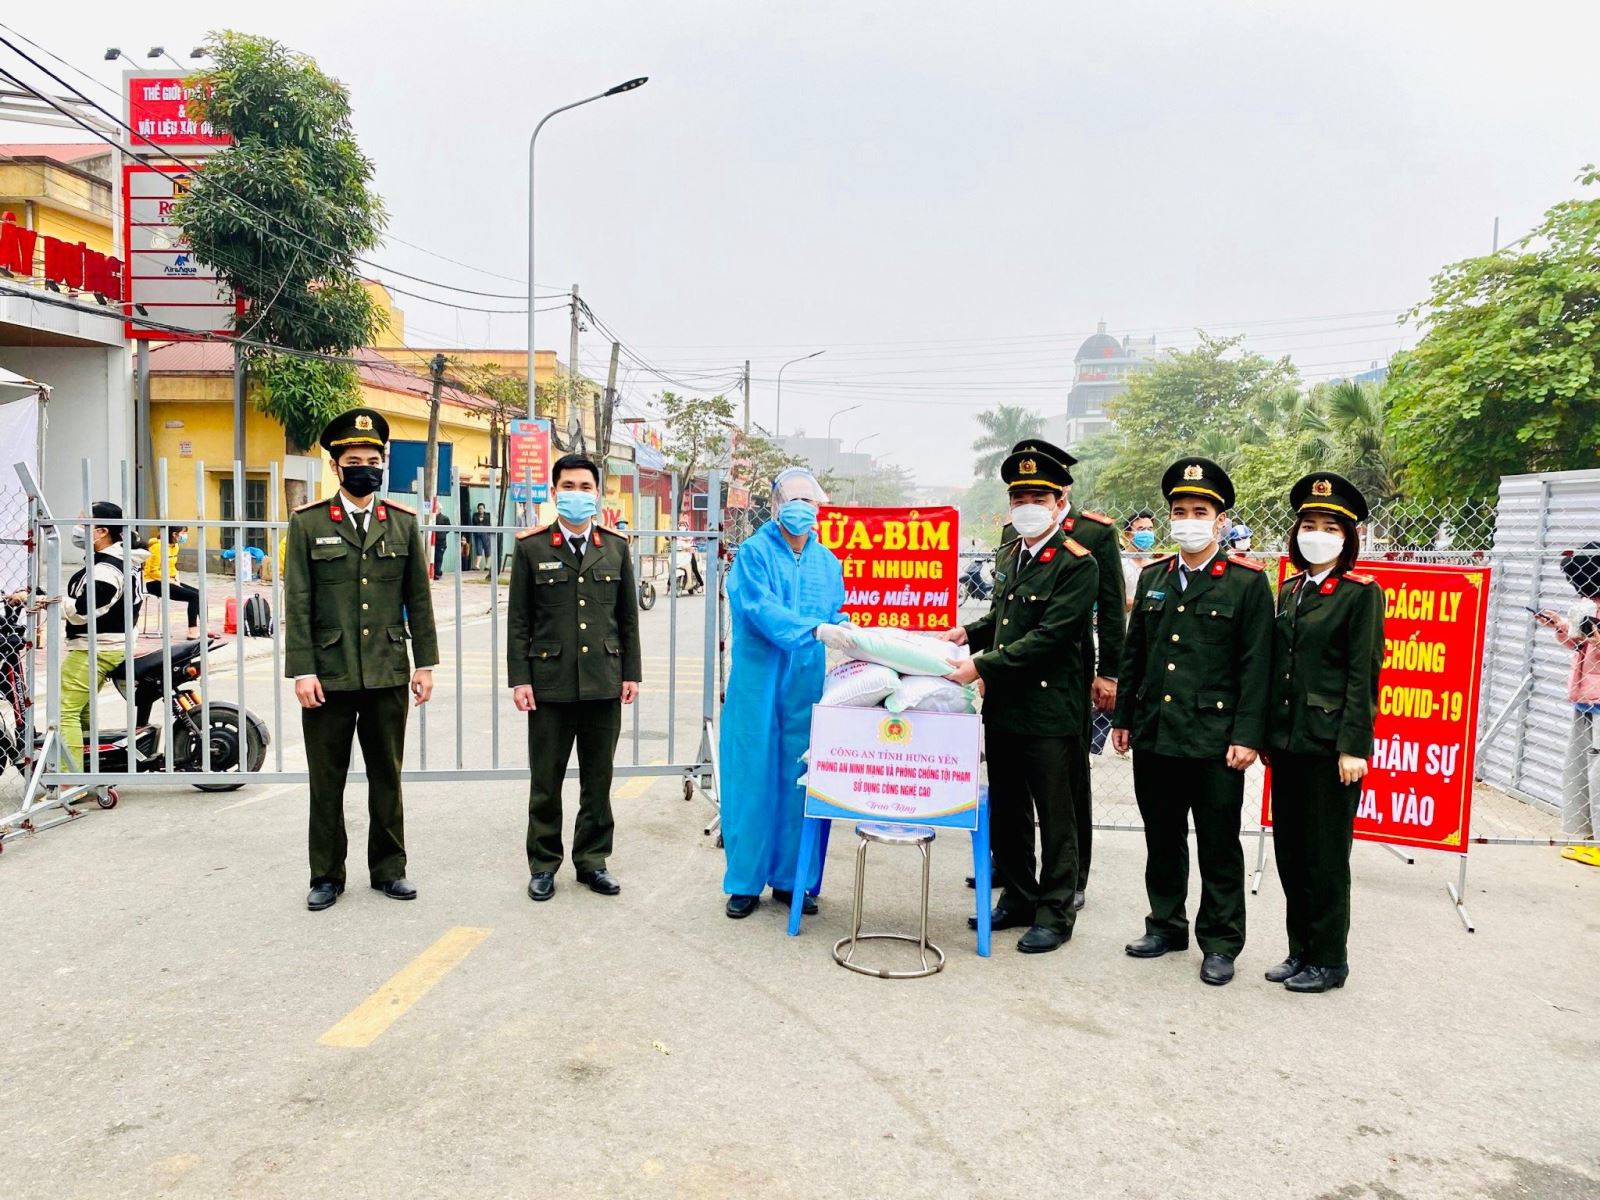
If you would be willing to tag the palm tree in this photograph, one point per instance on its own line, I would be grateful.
(1357, 416)
(1003, 428)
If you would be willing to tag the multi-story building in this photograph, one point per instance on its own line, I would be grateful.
(1101, 370)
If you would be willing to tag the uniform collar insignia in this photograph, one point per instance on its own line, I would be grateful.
(555, 538)
(1047, 554)
(1328, 584)
(383, 512)
(1067, 524)
(335, 513)
(1218, 567)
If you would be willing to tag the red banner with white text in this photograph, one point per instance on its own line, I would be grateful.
(1418, 787)
(900, 564)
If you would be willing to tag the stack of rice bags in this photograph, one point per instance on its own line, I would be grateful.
(899, 671)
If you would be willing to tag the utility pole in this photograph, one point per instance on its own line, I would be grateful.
(430, 462)
(747, 397)
(575, 420)
(603, 417)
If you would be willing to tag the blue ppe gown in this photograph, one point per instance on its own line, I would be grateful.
(777, 599)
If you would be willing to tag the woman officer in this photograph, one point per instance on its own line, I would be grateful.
(1327, 648)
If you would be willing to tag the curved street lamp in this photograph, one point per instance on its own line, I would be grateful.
(777, 417)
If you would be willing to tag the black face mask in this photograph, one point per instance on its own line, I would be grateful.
(361, 481)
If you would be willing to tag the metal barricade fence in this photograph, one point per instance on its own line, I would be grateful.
(218, 713)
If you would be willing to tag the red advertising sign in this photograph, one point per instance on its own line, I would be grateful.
(161, 108)
(529, 459)
(71, 264)
(900, 564)
(1418, 786)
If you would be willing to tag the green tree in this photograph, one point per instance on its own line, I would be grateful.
(757, 461)
(985, 507)
(283, 214)
(1211, 398)
(1003, 428)
(1504, 380)
(887, 485)
(698, 432)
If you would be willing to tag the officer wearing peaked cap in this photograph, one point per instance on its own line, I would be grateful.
(1026, 653)
(355, 598)
(1192, 706)
(1327, 649)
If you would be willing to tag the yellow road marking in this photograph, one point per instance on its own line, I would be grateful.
(365, 1023)
(637, 785)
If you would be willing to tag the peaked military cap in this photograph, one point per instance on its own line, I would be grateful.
(1034, 469)
(1040, 446)
(355, 427)
(1323, 491)
(1198, 477)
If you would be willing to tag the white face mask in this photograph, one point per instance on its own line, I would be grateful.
(1320, 548)
(1030, 520)
(1195, 534)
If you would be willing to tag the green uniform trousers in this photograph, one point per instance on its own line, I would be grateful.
(1168, 790)
(1028, 773)
(1313, 821)
(595, 725)
(377, 717)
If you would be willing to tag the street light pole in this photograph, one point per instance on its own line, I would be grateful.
(532, 141)
(832, 459)
(777, 417)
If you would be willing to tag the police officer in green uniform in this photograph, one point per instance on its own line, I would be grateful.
(573, 661)
(1102, 642)
(1326, 652)
(355, 595)
(1026, 653)
(1192, 706)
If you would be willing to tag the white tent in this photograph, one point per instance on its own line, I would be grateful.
(22, 403)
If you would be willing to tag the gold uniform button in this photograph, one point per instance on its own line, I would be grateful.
(585, 649)
(363, 581)
(1166, 699)
(364, 632)
(1219, 703)
(580, 578)
(1044, 683)
(1172, 666)
(1180, 608)
(583, 625)
(1005, 620)
(1011, 595)
(363, 605)
(1174, 637)
(582, 603)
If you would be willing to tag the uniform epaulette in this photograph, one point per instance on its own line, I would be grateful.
(313, 504)
(1011, 541)
(1098, 516)
(1078, 548)
(530, 531)
(1240, 560)
(1159, 562)
(608, 529)
(1354, 578)
(403, 508)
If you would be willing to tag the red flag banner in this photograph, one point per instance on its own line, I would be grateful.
(1418, 786)
(900, 564)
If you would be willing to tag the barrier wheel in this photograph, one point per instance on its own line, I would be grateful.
(107, 798)
(688, 789)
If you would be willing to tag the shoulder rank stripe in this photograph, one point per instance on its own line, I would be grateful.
(1077, 548)
(530, 531)
(313, 504)
(1164, 561)
(1354, 578)
(403, 508)
(1240, 560)
(1097, 516)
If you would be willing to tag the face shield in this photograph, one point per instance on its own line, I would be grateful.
(796, 483)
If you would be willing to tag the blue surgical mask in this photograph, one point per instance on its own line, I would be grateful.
(798, 517)
(1144, 539)
(576, 507)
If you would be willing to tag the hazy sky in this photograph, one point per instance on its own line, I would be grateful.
(945, 196)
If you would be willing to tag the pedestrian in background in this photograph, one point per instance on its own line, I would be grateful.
(161, 576)
(1579, 631)
(1327, 650)
(355, 596)
(1192, 707)
(480, 541)
(572, 660)
(98, 586)
(1139, 538)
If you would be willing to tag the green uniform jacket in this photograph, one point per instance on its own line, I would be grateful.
(1027, 644)
(1196, 663)
(350, 604)
(1327, 649)
(1097, 533)
(573, 627)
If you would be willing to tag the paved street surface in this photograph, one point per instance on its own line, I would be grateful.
(180, 1025)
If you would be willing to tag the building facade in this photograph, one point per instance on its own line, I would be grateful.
(1101, 370)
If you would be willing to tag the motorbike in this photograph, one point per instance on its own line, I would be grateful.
(972, 585)
(238, 739)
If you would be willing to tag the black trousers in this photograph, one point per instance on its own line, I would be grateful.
(1029, 774)
(180, 592)
(377, 717)
(1168, 790)
(1313, 823)
(595, 725)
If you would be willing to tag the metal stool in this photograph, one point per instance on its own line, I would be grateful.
(920, 836)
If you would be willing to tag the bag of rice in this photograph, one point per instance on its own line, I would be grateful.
(928, 693)
(908, 653)
(858, 685)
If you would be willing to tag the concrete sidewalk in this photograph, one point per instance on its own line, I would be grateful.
(171, 1002)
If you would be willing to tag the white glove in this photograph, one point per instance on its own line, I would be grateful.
(836, 637)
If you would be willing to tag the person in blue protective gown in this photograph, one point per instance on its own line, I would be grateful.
(785, 592)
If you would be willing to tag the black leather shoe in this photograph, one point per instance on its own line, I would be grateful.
(1002, 918)
(740, 907)
(1039, 940)
(541, 885)
(808, 904)
(1152, 945)
(1285, 970)
(1077, 901)
(599, 881)
(1216, 969)
(1318, 979)
(396, 889)
(323, 895)
(972, 882)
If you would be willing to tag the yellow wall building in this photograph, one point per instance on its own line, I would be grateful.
(60, 191)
